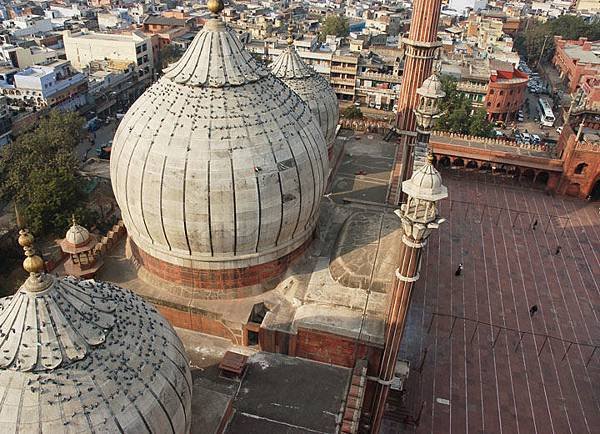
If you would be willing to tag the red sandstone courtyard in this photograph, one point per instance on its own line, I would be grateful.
(486, 365)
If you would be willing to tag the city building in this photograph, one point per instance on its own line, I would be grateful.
(5, 121)
(576, 60)
(113, 85)
(587, 6)
(84, 47)
(507, 90)
(54, 85)
(26, 56)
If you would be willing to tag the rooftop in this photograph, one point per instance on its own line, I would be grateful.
(583, 56)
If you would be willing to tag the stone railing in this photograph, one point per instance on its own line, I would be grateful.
(491, 141)
(471, 87)
(365, 125)
(588, 146)
(387, 78)
(113, 236)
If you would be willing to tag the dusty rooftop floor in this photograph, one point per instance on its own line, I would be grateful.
(467, 383)
(266, 399)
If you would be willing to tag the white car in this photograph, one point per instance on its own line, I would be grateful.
(559, 129)
(535, 138)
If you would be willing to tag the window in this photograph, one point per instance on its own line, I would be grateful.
(489, 104)
(501, 92)
(580, 168)
(511, 92)
(498, 105)
(491, 91)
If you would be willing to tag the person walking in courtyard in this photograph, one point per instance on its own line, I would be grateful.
(558, 248)
(459, 270)
(535, 223)
(533, 309)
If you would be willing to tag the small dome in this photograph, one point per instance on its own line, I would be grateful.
(311, 87)
(87, 356)
(77, 235)
(425, 184)
(432, 87)
(218, 165)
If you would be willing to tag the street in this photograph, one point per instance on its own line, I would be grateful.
(102, 136)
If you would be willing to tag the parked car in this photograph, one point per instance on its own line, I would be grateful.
(559, 129)
(536, 139)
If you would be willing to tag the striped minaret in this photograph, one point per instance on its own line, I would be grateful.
(420, 48)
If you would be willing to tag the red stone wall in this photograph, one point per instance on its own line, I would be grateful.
(577, 184)
(217, 280)
(329, 348)
(199, 322)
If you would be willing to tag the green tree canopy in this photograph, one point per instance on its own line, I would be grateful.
(352, 112)
(334, 25)
(39, 173)
(531, 41)
(458, 115)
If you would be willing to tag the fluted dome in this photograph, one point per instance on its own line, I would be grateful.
(425, 183)
(85, 356)
(311, 87)
(219, 164)
(77, 235)
(432, 87)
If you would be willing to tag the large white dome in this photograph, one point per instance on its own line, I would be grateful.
(85, 356)
(219, 164)
(311, 87)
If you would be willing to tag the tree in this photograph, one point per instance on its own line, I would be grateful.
(530, 42)
(479, 124)
(167, 55)
(458, 115)
(39, 171)
(352, 112)
(334, 25)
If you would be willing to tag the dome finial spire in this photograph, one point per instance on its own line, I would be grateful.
(215, 6)
(290, 38)
(32, 263)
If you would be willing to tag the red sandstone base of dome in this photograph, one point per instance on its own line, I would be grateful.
(226, 281)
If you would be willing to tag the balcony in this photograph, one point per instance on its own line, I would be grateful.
(344, 81)
(343, 70)
(472, 88)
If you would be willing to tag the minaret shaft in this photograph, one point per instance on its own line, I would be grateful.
(420, 47)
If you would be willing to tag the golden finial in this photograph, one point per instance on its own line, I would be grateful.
(215, 6)
(290, 38)
(32, 263)
(73, 220)
(430, 157)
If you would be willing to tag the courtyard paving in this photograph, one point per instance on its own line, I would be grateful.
(486, 365)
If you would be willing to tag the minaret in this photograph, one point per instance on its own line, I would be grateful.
(418, 217)
(419, 53)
